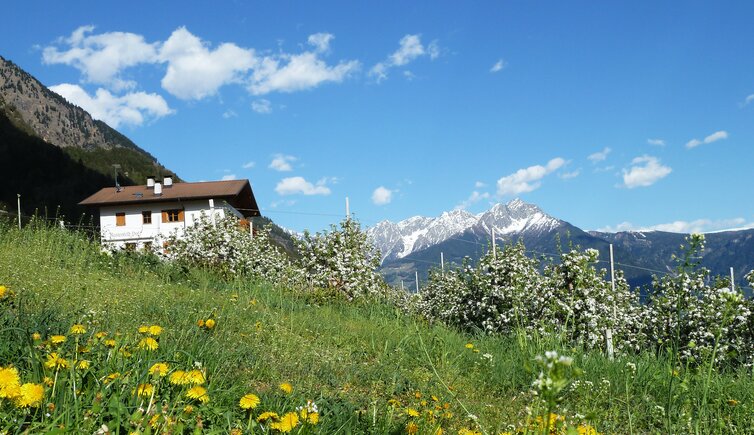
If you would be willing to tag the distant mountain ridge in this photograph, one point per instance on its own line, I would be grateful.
(415, 244)
(36, 124)
(398, 240)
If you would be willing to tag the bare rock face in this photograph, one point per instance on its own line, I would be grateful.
(51, 117)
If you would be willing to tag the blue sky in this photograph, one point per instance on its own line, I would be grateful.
(608, 115)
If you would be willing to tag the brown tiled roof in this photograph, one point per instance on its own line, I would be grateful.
(238, 193)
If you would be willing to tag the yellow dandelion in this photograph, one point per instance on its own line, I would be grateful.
(154, 421)
(148, 343)
(469, 345)
(55, 361)
(412, 428)
(249, 401)
(418, 394)
(439, 431)
(268, 415)
(110, 342)
(9, 382)
(198, 393)
(236, 431)
(3, 291)
(144, 390)
(586, 430)
(435, 398)
(160, 369)
(155, 330)
(78, 329)
(195, 377)
(36, 336)
(111, 377)
(465, 431)
(209, 324)
(143, 329)
(58, 339)
(732, 402)
(188, 409)
(48, 381)
(179, 377)
(200, 323)
(313, 418)
(100, 335)
(286, 422)
(30, 395)
(286, 388)
(411, 412)
(83, 364)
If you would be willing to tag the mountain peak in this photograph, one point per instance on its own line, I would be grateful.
(397, 240)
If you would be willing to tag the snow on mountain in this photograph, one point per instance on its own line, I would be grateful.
(397, 240)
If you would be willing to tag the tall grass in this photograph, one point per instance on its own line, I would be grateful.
(363, 364)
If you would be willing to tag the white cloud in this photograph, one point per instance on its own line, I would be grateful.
(195, 72)
(228, 177)
(695, 226)
(644, 172)
(472, 199)
(714, 137)
(302, 71)
(498, 66)
(129, 109)
(410, 48)
(749, 99)
(434, 50)
(527, 179)
(262, 106)
(249, 165)
(194, 69)
(656, 142)
(298, 185)
(480, 184)
(229, 114)
(599, 155)
(101, 58)
(382, 196)
(282, 163)
(321, 41)
(569, 175)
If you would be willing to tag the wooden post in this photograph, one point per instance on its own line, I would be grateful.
(251, 229)
(348, 209)
(402, 289)
(19, 210)
(442, 264)
(417, 281)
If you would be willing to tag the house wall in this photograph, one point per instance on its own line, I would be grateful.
(138, 235)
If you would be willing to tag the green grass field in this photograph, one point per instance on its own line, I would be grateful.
(368, 367)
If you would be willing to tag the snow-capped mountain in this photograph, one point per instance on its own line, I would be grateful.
(398, 240)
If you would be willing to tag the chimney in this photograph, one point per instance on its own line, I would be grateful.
(167, 181)
(150, 181)
(157, 189)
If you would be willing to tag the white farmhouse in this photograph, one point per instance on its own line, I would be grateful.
(135, 217)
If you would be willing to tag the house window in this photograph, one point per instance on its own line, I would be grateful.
(146, 217)
(131, 247)
(175, 215)
(120, 219)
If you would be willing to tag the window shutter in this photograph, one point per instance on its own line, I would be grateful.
(180, 216)
(164, 216)
(120, 219)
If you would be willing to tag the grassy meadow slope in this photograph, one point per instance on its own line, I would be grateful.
(368, 367)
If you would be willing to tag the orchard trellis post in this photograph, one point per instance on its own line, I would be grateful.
(19, 210)
(417, 281)
(442, 264)
(609, 332)
(732, 282)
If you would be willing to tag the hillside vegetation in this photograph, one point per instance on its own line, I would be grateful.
(130, 344)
